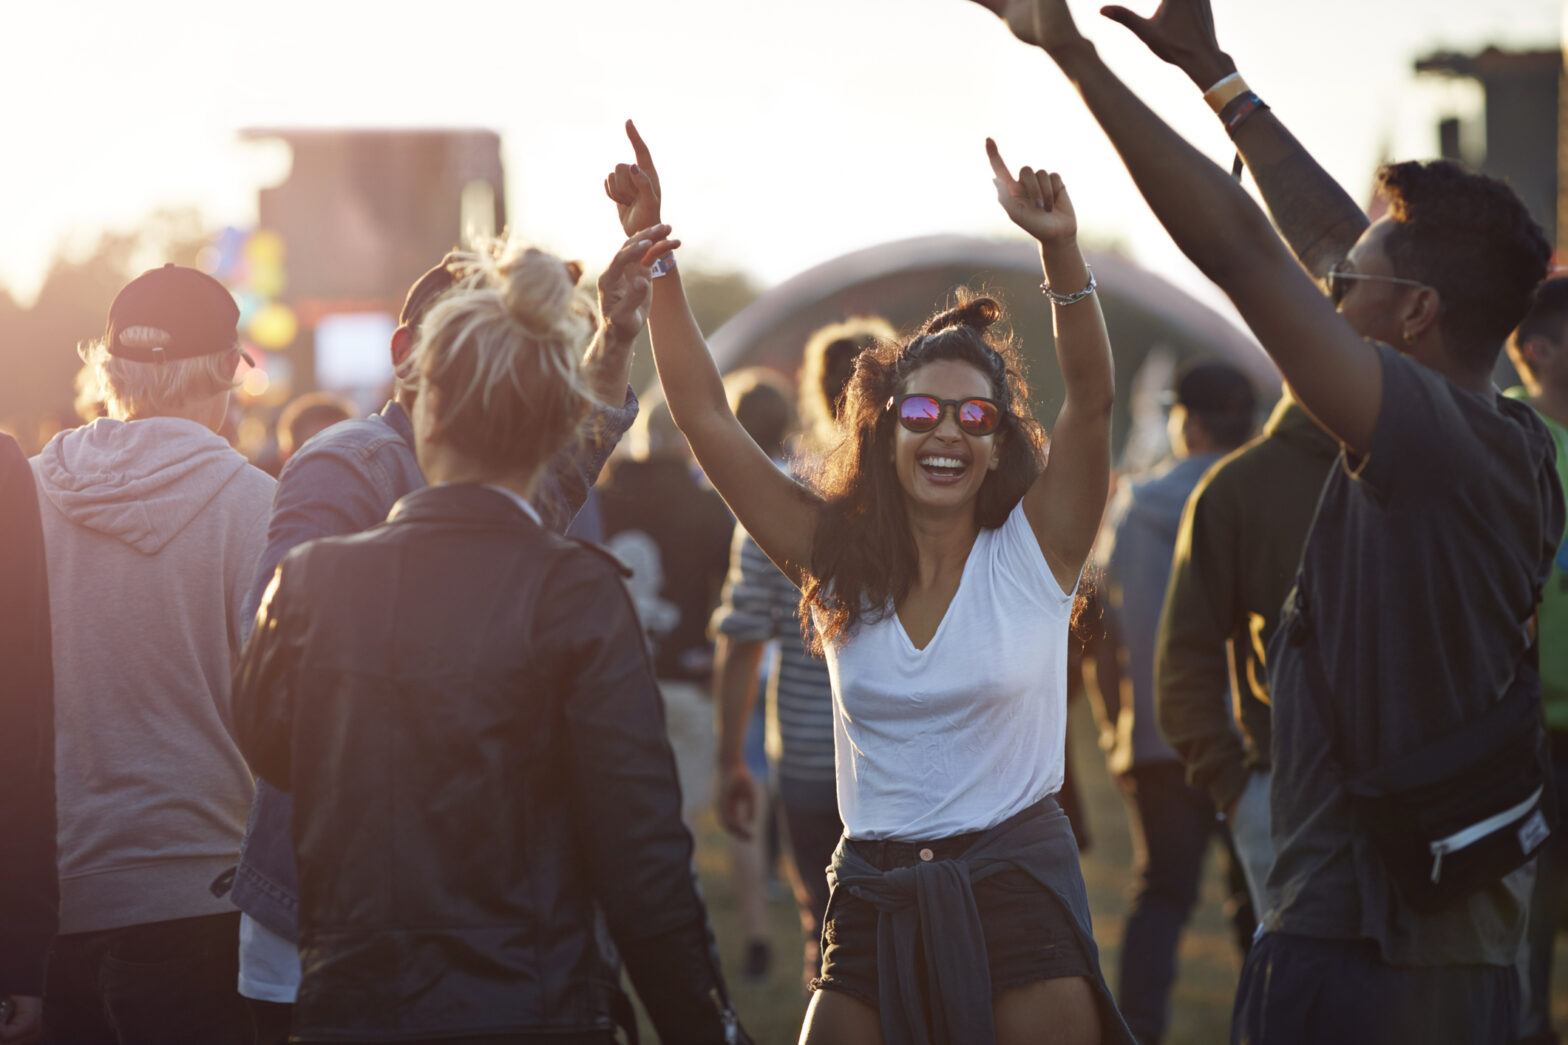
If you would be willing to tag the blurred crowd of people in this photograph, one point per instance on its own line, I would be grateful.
(401, 729)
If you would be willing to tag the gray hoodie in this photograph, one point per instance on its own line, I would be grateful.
(152, 530)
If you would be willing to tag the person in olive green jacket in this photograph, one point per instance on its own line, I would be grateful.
(1236, 556)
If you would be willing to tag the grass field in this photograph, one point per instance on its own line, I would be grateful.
(1208, 963)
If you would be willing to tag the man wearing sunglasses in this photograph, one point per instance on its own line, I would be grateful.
(1432, 541)
(1212, 413)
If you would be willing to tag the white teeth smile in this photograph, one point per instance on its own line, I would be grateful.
(941, 462)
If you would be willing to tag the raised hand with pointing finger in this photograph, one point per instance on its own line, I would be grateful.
(1036, 201)
(635, 187)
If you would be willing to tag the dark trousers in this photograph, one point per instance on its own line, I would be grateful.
(161, 983)
(591, 1037)
(1546, 910)
(273, 1021)
(1172, 825)
(813, 835)
(1300, 990)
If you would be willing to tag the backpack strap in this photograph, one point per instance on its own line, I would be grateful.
(1489, 728)
(1301, 633)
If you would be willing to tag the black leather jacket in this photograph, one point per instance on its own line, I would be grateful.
(463, 707)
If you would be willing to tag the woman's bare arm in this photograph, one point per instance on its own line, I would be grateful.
(1066, 502)
(778, 512)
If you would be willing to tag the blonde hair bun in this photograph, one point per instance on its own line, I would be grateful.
(503, 347)
(541, 292)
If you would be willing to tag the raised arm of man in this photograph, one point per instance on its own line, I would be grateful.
(1312, 211)
(1336, 374)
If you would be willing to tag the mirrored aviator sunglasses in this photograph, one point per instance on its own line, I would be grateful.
(919, 412)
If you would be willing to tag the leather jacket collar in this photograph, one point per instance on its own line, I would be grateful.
(470, 504)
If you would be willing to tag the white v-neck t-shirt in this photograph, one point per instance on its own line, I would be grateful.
(962, 734)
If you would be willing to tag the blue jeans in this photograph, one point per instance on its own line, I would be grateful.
(1172, 825)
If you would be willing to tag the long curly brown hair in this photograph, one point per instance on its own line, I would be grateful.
(863, 555)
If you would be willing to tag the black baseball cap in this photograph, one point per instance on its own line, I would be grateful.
(193, 313)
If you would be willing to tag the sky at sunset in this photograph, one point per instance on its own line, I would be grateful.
(786, 134)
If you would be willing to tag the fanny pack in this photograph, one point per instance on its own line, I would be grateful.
(1459, 813)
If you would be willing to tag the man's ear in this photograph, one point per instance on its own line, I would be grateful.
(402, 345)
(1196, 432)
(1535, 350)
(1422, 313)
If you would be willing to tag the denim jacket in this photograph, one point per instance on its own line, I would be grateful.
(343, 481)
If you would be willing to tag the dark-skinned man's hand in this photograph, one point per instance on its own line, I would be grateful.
(1180, 32)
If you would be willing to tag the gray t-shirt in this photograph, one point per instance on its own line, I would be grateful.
(1423, 568)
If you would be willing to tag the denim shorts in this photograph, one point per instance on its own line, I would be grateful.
(1029, 933)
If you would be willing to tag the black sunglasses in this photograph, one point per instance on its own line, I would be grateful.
(1339, 280)
(919, 412)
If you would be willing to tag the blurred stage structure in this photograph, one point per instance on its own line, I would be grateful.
(1522, 123)
(906, 281)
(360, 216)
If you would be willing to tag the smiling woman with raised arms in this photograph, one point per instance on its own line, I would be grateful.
(938, 553)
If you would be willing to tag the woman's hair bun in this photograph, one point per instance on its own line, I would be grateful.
(979, 313)
(502, 350)
(539, 290)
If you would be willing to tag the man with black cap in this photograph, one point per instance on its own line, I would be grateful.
(346, 480)
(152, 526)
(1211, 413)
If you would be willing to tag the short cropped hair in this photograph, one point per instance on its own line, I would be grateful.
(134, 389)
(762, 407)
(1548, 315)
(308, 414)
(654, 433)
(1471, 239)
(825, 371)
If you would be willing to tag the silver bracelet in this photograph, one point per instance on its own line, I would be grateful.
(1073, 298)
